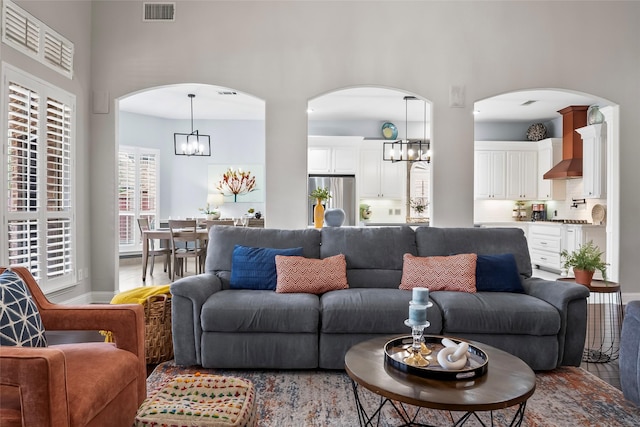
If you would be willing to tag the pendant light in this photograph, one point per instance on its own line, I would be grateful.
(194, 143)
(405, 150)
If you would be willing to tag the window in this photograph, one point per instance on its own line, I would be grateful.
(137, 193)
(26, 33)
(37, 224)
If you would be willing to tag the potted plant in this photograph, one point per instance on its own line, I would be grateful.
(321, 194)
(419, 205)
(210, 213)
(585, 261)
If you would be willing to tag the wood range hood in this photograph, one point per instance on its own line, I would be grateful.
(573, 117)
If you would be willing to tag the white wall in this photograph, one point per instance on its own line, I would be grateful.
(73, 21)
(289, 52)
(183, 180)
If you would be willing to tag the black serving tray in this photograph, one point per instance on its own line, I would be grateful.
(396, 350)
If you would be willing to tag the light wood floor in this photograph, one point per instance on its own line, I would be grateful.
(131, 277)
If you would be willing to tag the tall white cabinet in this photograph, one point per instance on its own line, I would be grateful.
(550, 154)
(378, 178)
(594, 172)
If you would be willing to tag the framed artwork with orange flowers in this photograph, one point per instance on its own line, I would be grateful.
(242, 183)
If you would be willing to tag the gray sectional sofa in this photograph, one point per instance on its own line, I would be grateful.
(218, 327)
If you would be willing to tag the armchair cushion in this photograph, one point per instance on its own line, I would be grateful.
(20, 321)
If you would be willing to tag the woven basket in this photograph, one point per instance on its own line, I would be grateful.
(157, 329)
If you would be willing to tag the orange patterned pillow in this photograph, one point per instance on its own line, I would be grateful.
(310, 275)
(440, 273)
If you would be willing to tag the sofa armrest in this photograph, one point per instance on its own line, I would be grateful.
(34, 378)
(188, 296)
(570, 299)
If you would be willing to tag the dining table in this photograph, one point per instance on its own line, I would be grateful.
(163, 234)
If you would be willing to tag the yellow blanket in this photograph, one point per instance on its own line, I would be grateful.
(139, 295)
(135, 296)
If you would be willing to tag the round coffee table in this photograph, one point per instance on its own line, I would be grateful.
(508, 382)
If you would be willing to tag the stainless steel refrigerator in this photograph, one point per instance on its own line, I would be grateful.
(343, 195)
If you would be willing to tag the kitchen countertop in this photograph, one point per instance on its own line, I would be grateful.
(516, 223)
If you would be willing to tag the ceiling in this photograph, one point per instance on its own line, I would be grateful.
(358, 103)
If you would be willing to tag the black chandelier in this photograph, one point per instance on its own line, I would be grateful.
(406, 150)
(194, 143)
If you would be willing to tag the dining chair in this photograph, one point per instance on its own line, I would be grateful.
(143, 223)
(184, 231)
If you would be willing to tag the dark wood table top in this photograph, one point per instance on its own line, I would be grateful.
(600, 286)
(508, 381)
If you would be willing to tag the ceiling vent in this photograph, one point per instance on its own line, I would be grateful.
(227, 92)
(158, 12)
(529, 102)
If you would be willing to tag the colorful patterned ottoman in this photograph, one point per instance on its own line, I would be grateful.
(200, 400)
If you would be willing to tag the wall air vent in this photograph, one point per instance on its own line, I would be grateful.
(158, 12)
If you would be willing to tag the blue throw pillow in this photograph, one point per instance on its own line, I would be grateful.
(255, 268)
(498, 273)
(20, 322)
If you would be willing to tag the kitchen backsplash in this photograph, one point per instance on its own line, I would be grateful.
(385, 210)
(501, 210)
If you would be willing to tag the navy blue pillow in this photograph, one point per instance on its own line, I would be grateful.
(498, 273)
(255, 268)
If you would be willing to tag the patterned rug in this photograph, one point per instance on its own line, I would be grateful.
(566, 397)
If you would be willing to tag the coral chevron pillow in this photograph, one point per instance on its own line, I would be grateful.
(440, 273)
(310, 275)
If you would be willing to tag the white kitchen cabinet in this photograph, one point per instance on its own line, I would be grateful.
(594, 139)
(549, 155)
(377, 178)
(545, 244)
(333, 155)
(489, 179)
(577, 235)
(522, 171)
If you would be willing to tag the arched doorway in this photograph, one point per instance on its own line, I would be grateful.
(506, 118)
(355, 116)
(157, 182)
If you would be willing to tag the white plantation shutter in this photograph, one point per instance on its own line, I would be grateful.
(138, 193)
(58, 52)
(20, 28)
(126, 197)
(26, 33)
(39, 183)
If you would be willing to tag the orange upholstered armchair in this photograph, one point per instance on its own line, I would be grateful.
(84, 384)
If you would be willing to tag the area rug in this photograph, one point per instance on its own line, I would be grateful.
(564, 397)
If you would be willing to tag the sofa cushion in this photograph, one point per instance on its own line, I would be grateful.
(440, 273)
(314, 276)
(20, 320)
(373, 254)
(243, 310)
(496, 313)
(498, 273)
(371, 311)
(433, 241)
(255, 268)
